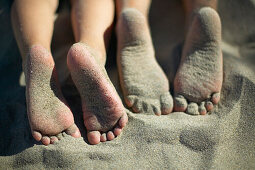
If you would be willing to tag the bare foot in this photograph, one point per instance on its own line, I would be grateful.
(198, 81)
(144, 84)
(47, 110)
(103, 112)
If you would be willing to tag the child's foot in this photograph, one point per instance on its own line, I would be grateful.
(144, 84)
(198, 81)
(47, 110)
(103, 112)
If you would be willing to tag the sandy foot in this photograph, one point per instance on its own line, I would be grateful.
(144, 84)
(104, 114)
(47, 110)
(198, 81)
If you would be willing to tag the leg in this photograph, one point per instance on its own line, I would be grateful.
(144, 84)
(47, 110)
(200, 74)
(103, 112)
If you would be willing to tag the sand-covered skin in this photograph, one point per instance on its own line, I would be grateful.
(47, 110)
(198, 81)
(103, 112)
(222, 140)
(144, 84)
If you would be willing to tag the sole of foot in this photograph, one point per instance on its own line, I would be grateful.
(103, 112)
(47, 110)
(198, 81)
(144, 84)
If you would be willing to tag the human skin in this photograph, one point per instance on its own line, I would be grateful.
(198, 80)
(48, 112)
(144, 84)
(106, 118)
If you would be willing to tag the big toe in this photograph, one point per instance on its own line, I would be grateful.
(94, 137)
(37, 136)
(73, 131)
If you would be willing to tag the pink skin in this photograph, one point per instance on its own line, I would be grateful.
(103, 112)
(46, 120)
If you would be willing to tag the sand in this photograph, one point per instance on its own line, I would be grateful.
(222, 140)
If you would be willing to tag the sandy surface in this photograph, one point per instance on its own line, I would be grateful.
(222, 140)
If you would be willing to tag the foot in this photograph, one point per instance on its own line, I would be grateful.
(144, 84)
(47, 110)
(198, 81)
(103, 112)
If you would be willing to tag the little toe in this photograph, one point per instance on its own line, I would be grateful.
(202, 109)
(53, 139)
(166, 103)
(215, 98)
(156, 110)
(192, 109)
(103, 137)
(46, 140)
(209, 106)
(130, 100)
(180, 103)
(37, 136)
(110, 135)
(73, 131)
(94, 137)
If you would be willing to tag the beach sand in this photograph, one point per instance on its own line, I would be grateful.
(223, 139)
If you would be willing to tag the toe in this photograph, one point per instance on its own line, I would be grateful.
(117, 131)
(146, 107)
(156, 110)
(110, 135)
(215, 98)
(103, 138)
(130, 100)
(166, 103)
(53, 139)
(208, 106)
(94, 137)
(37, 136)
(46, 140)
(192, 109)
(137, 106)
(202, 109)
(180, 104)
(60, 136)
(123, 120)
(73, 131)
